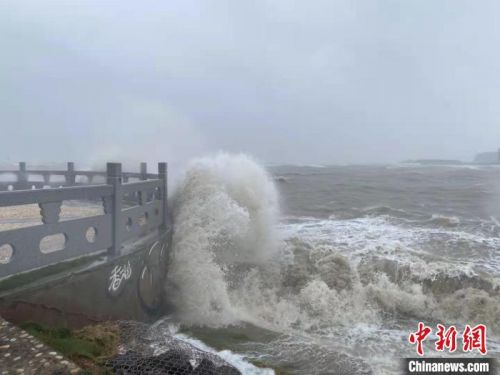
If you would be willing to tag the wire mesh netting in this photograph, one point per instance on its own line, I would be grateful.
(154, 350)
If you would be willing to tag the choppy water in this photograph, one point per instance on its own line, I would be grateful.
(321, 270)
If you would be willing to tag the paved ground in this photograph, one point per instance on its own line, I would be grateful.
(21, 353)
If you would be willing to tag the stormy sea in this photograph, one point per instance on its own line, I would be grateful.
(327, 269)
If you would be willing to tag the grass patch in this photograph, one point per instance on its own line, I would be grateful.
(87, 347)
(92, 345)
(63, 340)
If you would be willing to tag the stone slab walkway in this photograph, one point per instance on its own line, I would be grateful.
(21, 353)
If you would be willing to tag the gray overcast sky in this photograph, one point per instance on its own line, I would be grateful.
(287, 81)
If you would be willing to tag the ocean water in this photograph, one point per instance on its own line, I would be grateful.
(326, 270)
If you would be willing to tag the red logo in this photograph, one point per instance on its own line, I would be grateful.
(473, 338)
(447, 338)
(419, 337)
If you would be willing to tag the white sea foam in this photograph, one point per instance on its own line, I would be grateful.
(237, 360)
(233, 262)
(224, 212)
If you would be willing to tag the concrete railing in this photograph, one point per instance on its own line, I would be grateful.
(131, 210)
(23, 178)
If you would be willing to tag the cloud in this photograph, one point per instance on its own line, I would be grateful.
(288, 81)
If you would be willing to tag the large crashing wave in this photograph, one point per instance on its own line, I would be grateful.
(224, 211)
(231, 261)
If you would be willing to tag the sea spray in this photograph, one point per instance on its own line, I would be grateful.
(233, 262)
(225, 212)
(335, 290)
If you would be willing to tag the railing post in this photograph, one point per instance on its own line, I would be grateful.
(114, 178)
(22, 180)
(70, 175)
(162, 175)
(144, 171)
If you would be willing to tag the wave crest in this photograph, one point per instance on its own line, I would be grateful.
(224, 213)
(229, 265)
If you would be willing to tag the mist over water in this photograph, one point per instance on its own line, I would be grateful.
(344, 271)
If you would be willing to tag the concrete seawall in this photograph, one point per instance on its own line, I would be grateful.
(73, 254)
(93, 289)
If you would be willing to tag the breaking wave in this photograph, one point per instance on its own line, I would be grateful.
(233, 261)
(224, 213)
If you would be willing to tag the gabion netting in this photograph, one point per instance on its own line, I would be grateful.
(153, 350)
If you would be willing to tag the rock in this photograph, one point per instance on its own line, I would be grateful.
(228, 370)
(173, 362)
(137, 355)
(205, 367)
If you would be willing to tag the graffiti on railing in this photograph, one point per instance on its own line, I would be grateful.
(119, 274)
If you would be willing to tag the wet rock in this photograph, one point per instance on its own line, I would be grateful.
(173, 362)
(228, 370)
(205, 367)
(175, 359)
